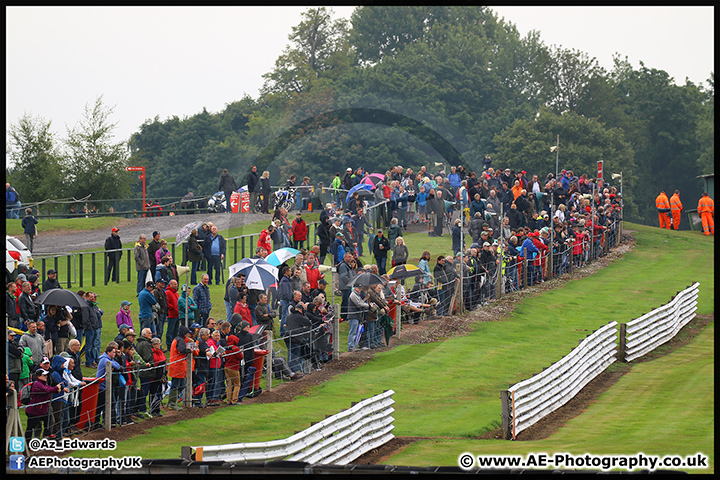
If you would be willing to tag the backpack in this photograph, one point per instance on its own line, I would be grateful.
(25, 393)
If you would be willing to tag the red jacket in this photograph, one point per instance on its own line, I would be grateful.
(172, 303)
(313, 275)
(300, 230)
(265, 241)
(244, 311)
(232, 354)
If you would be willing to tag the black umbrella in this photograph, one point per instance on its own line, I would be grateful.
(58, 296)
(366, 279)
(365, 193)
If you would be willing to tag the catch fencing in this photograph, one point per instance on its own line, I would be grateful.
(527, 402)
(337, 440)
(656, 327)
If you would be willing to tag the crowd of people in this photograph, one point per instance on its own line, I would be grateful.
(495, 219)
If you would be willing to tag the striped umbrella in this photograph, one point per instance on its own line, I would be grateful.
(281, 255)
(259, 274)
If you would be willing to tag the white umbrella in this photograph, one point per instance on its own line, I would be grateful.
(259, 274)
(281, 255)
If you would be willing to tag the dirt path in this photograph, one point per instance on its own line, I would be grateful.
(63, 241)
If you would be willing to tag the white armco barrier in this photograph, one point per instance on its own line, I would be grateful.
(337, 440)
(534, 398)
(648, 332)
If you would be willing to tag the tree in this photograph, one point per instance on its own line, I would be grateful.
(316, 42)
(96, 165)
(35, 164)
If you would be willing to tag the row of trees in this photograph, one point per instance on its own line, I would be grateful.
(460, 72)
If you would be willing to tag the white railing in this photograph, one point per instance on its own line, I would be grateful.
(532, 399)
(648, 332)
(337, 440)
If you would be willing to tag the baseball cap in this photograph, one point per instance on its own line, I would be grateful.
(340, 234)
(42, 371)
(155, 234)
(150, 284)
(115, 229)
(22, 277)
(322, 281)
(123, 325)
(51, 271)
(486, 244)
(125, 302)
(45, 360)
(349, 169)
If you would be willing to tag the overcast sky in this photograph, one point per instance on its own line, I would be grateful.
(166, 61)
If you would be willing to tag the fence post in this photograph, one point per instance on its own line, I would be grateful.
(108, 395)
(235, 250)
(570, 266)
(622, 343)
(505, 414)
(128, 268)
(69, 272)
(80, 267)
(188, 381)
(44, 275)
(336, 334)
(242, 245)
(92, 267)
(268, 359)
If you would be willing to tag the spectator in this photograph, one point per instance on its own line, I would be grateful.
(201, 295)
(202, 368)
(73, 352)
(11, 306)
(26, 307)
(194, 255)
(153, 247)
(109, 355)
(160, 310)
(113, 246)
(123, 315)
(358, 308)
(15, 354)
(171, 292)
(443, 287)
(381, 247)
(177, 369)
(142, 262)
(263, 313)
(247, 345)
(161, 252)
(424, 266)
(28, 224)
(232, 357)
(298, 337)
(146, 302)
(394, 231)
(399, 252)
(146, 373)
(253, 186)
(265, 191)
(227, 186)
(34, 341)
(214, 247)
(51, 282)
(12, 202)
(300, 231)
(159, 378)
(187, 307)
(37, 410)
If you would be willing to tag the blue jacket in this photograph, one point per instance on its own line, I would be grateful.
(531, 248)
(338, 251)
(146, 300)
(455, 180)
(285, 289)
(101, 368)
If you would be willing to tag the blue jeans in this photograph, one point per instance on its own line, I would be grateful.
(146, 322)
(90, 347)
(97, 345)
(344, 303)
(141, 274)
(353, 324)
(172, 331)
(216, 383)
(144, 390)
(193, 272)
(252, 306)
(284, 304)
(374, 337)
(295, 356)
(178, 384)
(381, 264)
(160, 326)
(229, 310)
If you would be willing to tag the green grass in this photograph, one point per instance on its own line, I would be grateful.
(451, 388)
(661, 407)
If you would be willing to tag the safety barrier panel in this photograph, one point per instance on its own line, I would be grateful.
(337, 440)
(527, 402)
(656, 327)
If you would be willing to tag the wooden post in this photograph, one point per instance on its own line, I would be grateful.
(108, 396)
(268, 359)
(336, 333)
(92, 268)
(622, 343)
(505, 414)
(80, 268)
(187, 401)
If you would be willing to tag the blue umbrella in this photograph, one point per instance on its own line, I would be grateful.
(356, 340)
(281, 255)
(359, 186)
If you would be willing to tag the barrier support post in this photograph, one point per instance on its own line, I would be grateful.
(505, 414)
(621, 345)
(108, 395)
(268, 360)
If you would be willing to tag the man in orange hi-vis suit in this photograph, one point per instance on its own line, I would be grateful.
(663, 207)
(676, 209)
(706, 209)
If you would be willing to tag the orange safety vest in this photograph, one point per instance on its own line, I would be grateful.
(706, 204)
(661, 202)
(675, 203)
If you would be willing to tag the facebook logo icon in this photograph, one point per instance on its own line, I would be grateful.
(17, 462)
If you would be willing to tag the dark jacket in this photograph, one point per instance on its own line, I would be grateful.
(207, 245)
(377, 252)
(227, 183)
(252, 182)
(246, 343)
(299, 327)
(194, 249)
(49, 284)
(28, 311)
